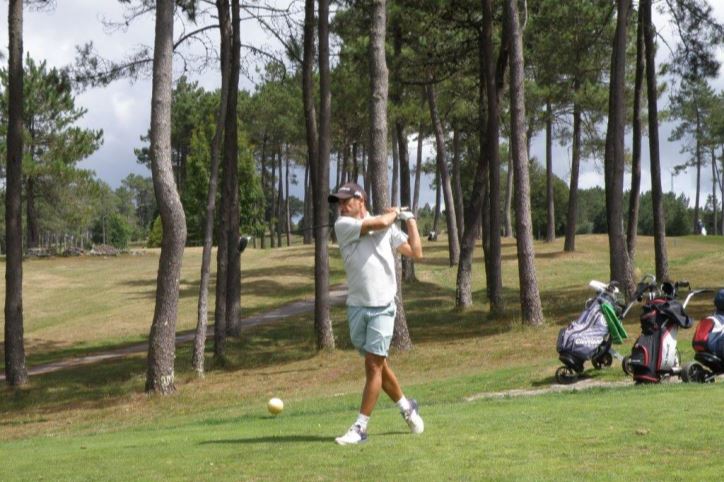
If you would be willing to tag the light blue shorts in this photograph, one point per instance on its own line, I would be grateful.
(371, 328)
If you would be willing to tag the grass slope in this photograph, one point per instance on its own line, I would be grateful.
(94, 422)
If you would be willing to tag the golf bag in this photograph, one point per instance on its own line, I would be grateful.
(655, 353)
(709, 336)
(591, 335)
(708, 343)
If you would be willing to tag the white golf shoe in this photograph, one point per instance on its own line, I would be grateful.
(413, 418)
(355, 435)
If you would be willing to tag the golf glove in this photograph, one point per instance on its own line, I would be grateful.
(405, 215)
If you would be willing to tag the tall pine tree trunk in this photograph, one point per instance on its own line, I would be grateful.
(720, 181)
(635, 194)
(550, 203)
(16, 373)
(355, 164)
(263, 181)
(508, 221)
(322, 321)
(408, 265)
(457, 185)
(472, 215)
(720, 178)
(231, 182)
(572, 214)
(377, 164)
(365, 169)
(394, 184)
(307, 225)
(438, 202)
(530, 304)
(445, 184)
(340, 180)
(698, 170)
(473, 218)
(657, 196)
(614, 156)
(272, 198)
(32, 213)
(400, 139)
(494, 71)
(222, 261)
(280, 203)
(379, 88)
(418, 172)
(713, 190)
(197, 360)
(287, 208)
(162, 339)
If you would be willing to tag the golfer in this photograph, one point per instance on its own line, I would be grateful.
(366, 243)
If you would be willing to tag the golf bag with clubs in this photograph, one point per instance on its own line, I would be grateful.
(590, 337)
(655, 354)
(708, 343)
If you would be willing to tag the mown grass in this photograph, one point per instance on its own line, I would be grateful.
(74, 306)
(94, 422)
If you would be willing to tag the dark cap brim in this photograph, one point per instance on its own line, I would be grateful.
(333, 198)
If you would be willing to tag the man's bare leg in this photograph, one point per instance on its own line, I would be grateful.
(390, 385)
(374, 367)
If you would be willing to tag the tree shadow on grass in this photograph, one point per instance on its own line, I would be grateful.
(41, 352)
(542, 255)
(566, 303)
(256, 282)
(187, 288)
(432, 316)
(288, 439)
(271, 439)
(99, 385)
(544, 382)
(271, 344)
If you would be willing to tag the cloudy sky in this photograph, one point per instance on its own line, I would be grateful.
(122, 109)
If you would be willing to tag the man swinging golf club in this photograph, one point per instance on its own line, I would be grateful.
(366, 243)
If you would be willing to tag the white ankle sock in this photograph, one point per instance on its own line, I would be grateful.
(362, 421)
(403, 404)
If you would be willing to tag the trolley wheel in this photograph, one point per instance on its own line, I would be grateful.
(566, 376)
(626, 365)
(605, 360)
(692, 372)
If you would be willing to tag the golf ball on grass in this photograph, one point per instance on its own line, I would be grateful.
(275, 406)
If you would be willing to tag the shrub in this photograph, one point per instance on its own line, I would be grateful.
(155, 235)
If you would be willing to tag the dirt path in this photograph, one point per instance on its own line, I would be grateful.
(525, 392)
(337, 296)
(582, 385)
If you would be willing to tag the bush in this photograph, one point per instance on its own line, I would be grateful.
(676, 209)
(114, 228)
(155, 235)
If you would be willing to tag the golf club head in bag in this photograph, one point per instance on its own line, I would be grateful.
(243, 242)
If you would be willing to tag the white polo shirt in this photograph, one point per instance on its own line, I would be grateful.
(369, 261)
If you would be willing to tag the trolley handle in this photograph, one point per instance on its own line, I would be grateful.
(694, 293)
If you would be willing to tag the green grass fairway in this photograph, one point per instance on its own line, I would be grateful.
(95, 422)
(637, 433)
